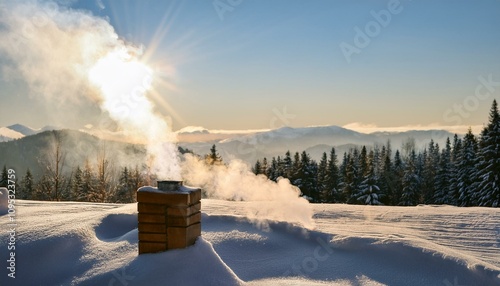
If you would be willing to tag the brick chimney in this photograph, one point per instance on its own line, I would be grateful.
(169, 216)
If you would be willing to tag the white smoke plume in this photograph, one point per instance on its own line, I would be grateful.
(277, 201)
(67, 55)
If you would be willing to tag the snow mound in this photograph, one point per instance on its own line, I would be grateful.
(68, 243)
(196, 265)
(115, 227)
(282, 254)
(4, 201)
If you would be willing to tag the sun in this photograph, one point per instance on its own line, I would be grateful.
(119, 73)
(122, 81)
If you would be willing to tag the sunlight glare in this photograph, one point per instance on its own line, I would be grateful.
(123, 82)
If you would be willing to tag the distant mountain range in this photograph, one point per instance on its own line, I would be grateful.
(314, 140)
(26, 147)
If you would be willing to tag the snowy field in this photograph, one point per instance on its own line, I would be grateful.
(66, 243)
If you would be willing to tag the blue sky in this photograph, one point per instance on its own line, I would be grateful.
(235, 69)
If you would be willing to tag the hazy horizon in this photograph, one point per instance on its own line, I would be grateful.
(355, 126)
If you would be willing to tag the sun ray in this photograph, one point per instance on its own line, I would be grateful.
(160, 33)
(162, 102)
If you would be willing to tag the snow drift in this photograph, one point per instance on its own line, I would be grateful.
(96, 244)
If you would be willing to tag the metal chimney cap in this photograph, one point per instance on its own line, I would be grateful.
(169, 186)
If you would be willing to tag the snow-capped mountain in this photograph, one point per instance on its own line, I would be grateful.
(24, 130)
(7, 134)
(18, 131)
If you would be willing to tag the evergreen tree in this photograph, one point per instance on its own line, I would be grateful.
(363, 162)
(322, 178)
(288, 165)
(77, 185)
(313, 181)
(273, 172)
(375, 158)
(431, 160)
(66, 190)
(411, 182)
(28, 186)
(136, 181)
(358, 168)
(457, 148)
(280, 169)
(342, 179)
(488, 165)
(88, 190)
(123, 189)
(332, 184)
(427, 183)
(388, 149)
(369, 193)
(213, 158)
(305, 178)
(387, 177)
(265, 167)
(348, 175)
(398, 177)
(420, 170)
(371, 164)
(465, 170)
(5, 177)
(257, 168)
(454, 173)
(295, 169)
(443, 194)
(382, 152)
(128, 183)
